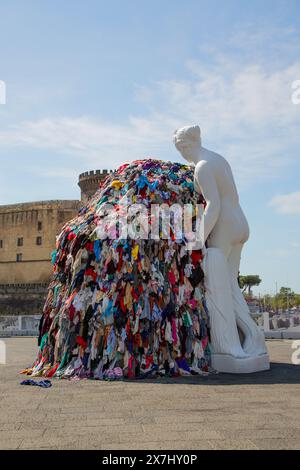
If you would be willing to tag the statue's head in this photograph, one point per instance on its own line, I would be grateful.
(187, 140)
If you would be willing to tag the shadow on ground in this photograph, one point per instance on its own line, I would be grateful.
(279, 373)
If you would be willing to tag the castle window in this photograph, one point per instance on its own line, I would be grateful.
(19, 257)
(1, 243)
(20, 241)
(38, 240)
(40, 226)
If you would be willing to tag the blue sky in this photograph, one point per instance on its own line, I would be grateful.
(92, 84)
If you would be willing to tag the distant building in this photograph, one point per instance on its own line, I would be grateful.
(27, 238)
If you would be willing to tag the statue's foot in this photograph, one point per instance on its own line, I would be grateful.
(254, 343)
(254, 339)
(253, 348)
(242, 355)
(232, 347)
(234, 365)
(237, 352)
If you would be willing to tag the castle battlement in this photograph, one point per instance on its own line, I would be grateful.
(90, 181)
(92, 173)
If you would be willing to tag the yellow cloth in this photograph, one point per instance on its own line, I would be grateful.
(117, 184)
(135, 252)
(128, 296)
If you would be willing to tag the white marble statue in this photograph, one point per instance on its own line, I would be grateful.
(237, 342)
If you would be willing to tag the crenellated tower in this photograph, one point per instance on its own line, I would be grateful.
(89, 182)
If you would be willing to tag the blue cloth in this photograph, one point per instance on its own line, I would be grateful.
(97, 249)
(41, 383)
(53, 256)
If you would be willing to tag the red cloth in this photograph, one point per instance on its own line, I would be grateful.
(91, 272)
(122, 305)
(120, 263)
(196, 256)
(81, 341)
(72, 312)
(171, 277)
(71, 236)
(90, 246)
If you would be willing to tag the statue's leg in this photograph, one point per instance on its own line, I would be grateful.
(224, 332)
(254, 342)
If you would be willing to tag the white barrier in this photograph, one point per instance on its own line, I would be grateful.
(19, 325)
(272, 328)
(28, 325)
(2, 352)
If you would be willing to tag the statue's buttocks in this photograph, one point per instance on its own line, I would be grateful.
(231, 226)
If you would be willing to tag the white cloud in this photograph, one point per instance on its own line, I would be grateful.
(244, 110)
(93, 139)
(286, 203)
(273, 37)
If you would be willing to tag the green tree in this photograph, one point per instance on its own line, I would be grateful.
(267, 302)
(285, 298)
(247, 282)
(296, 300)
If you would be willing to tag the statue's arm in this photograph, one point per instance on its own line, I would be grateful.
(205, 181)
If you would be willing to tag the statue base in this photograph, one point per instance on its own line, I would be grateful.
(233, 365)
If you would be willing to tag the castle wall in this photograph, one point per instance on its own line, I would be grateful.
(22, 299)
(27, 239)
(25, 267)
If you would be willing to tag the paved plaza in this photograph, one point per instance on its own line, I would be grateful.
(257, 411)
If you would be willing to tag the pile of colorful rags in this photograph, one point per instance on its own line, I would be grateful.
(122, 307)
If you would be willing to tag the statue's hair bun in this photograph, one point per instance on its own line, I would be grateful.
(187, 133)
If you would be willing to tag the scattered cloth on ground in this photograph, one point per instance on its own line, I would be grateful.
(41, 383)
(126, 307)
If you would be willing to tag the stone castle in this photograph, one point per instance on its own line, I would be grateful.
(27, 238)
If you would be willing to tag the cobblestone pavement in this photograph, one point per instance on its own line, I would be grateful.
(256, 411)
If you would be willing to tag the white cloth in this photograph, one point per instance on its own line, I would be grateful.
(218, 293)
(254, 343)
